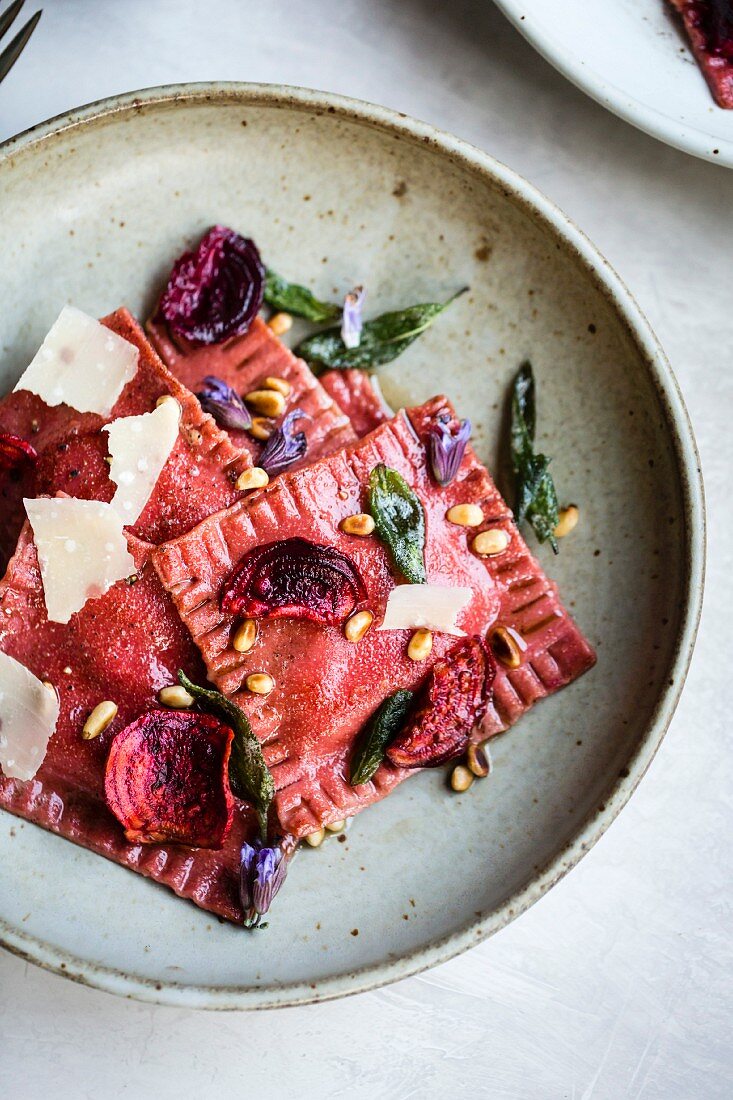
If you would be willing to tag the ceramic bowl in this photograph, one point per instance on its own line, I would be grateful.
(95, 206)
(633, 57)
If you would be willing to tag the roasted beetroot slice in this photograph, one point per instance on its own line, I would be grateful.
(167, 779)
(216, 291)
(294, 579)
(14, 451)
(453, 702)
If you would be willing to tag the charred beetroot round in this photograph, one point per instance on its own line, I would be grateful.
(216, 291)
(453, 702)
(294, 579)
(167, 779)
(14, 451)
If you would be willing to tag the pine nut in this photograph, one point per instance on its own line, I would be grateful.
(493, 541)
(465, 515)
(176, 697)
(420, 646)
(280, 385)
(165, 398)
(568, 521)
(254, 478)
(244, 636)
(336, 826)
(359, 524)
(262, 428)
(259, 683)
(266, 402)
(195, 437)
(507, 645)
(478, 761)
(316, 839)
(356, 627)
(49, 685)
(280, 323)
(99, 719)
(460, 778)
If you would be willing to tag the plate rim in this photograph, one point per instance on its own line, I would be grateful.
(686, 138)
(684, 448)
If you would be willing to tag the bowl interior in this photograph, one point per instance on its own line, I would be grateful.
(94, 215)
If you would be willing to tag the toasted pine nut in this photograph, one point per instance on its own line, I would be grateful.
(99, 719)
(356, 627)
(478, 761)
(165, 398)
(460, 778)
(261, 428)
(281, 385)
(420, 646)
(465, 515)
(316, 839)
(254, 478)
(491, 542)
(280, 323)
(568, 521)
(175, 696)
(245, 636)
(507, 645)
(336, 826)
(259, 683)
(359, 524)
(267, 402)
(49, 685)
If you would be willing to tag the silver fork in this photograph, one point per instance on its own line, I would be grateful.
(14, 49)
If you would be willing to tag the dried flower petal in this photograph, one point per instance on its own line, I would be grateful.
(216, 291)
(284, 447)
(224, 404)
(262, 873)
(351, 322)
(447, 447)
(14, 451)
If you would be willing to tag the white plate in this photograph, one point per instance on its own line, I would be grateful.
(95, 205)
(632, 57)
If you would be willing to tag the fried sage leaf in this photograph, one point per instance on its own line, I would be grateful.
(399, 521)
(382, 339)
(292, 298)
(536, 498)
(381, 729)
(249, 776)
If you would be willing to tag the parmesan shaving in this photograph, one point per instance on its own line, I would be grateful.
(139, 447)
(81, 363)
(28, 714)
(82, 551)
(426, 606)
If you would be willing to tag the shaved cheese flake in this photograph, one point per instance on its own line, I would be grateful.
(28, 714)
(82, 551)
(430, 606)
(139, 447)
(82, 364)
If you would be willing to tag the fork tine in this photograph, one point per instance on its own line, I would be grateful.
(8, 16)
(14, 49)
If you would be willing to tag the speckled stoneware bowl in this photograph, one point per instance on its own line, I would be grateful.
(95, 205)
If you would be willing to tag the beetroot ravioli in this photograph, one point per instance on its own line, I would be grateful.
(236, 613)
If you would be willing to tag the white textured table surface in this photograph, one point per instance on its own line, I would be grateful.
(618, 983)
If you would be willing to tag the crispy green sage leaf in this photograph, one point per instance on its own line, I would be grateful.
(292, 298)
(399, 521)
(536, 498)
(377, 735)
(382, 339)
(249, 776)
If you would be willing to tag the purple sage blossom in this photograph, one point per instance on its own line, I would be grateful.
(261, 874)
(224, 404)
(351, 322)
(284, 446)
(446, 448)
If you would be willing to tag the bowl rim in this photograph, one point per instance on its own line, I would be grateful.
(679, 428)
(690, 139)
